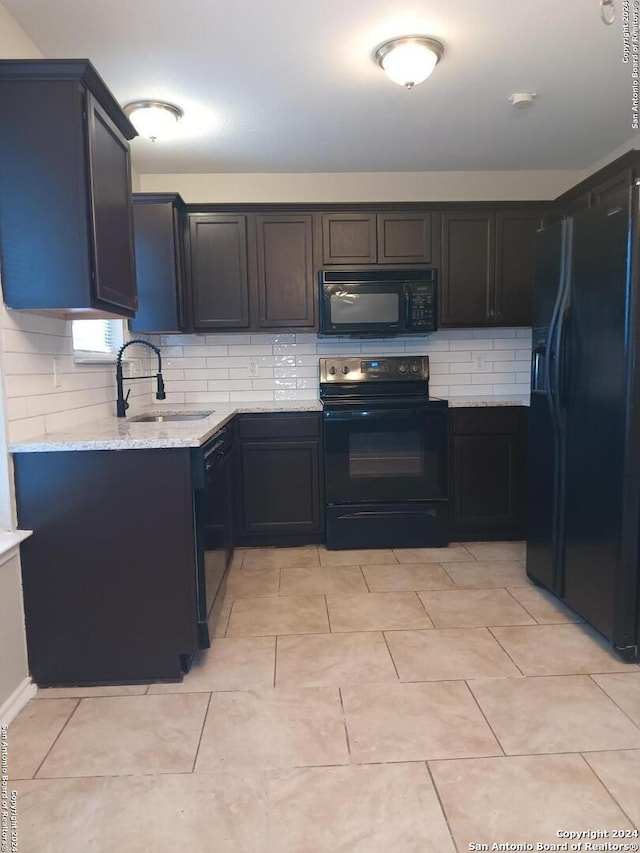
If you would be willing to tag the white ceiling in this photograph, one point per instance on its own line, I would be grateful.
(291, 86)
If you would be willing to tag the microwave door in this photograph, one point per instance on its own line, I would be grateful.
(363, 309)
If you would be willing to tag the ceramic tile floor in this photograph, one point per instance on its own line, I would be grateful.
(410, 701)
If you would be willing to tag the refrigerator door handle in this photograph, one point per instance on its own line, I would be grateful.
(562, 361)
(538, 371)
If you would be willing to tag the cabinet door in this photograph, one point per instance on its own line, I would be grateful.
(219, 281)
(114, 278)
(349, 238)
(158, 228)
(280, 487)
(486, 489)
(405, 238)
(285, 271)
(468, 269)
(515, 267)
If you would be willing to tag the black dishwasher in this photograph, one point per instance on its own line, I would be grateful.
(213, 496)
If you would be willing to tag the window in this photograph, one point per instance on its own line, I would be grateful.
(97, 340)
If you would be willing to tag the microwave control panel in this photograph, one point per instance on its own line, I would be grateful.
(422, 307)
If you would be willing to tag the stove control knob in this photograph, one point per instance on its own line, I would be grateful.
(402, 368)
(345, 370)
(333, 370)
(415, 368)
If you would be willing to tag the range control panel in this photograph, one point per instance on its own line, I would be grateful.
(396, 368)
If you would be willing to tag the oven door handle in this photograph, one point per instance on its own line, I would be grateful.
(377, 414)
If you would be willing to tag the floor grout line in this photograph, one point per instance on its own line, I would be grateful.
(602, 690)
(57, 737)
(275, 660)
(393, 661)
(204, 722)
(366, 582)
(602, 782)
(326, 607)
(521, 605)
(468, 686)
(497, 639)
(344, 723)
(444, 811)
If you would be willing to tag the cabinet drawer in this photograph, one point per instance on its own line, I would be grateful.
(489, 420)
(280, 425)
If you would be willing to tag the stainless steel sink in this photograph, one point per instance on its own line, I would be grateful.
(168, 418)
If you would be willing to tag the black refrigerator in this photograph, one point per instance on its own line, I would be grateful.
(584, 429)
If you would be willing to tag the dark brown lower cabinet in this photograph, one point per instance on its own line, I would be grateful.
(280, 495)
(487, 464)
(109, 575)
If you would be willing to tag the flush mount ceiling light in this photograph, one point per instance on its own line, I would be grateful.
(153, 119)
(409, 59)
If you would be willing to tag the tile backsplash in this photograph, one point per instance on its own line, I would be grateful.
(38, 401)
(222, 368)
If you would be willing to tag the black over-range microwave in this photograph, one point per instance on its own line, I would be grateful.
(378, 303)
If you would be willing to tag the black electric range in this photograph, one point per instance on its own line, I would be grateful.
(386, 449)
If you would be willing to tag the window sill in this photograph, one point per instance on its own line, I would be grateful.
(99, 358)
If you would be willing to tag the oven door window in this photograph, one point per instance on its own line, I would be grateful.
(386, 456)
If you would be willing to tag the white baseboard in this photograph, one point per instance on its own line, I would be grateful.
(10, 709)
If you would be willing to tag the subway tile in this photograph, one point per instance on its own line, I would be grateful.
(478, 344)
(441, 391)
(229, 385)
(307, 360)
(207, 397)
(250, 396)
(296, 395)
(471, 390)
(296, 372)
(193, 385)
(524, 333)
(451, 335)
(171, 352)
(272, 384)
(209, 373)
(523, 378)
(458, 378)
(493, 333)
(519, 390)
(438, 368)
(506, 366)
(251, 350)
(461, 355)
(307, 384)
(470, 367)
(305, 338)
(25, 429)
(507, 343)
(496, 378)
(186, 363)
(16, 408)
(243, 373)
(228, 340)
(270, 340)
(523, 354)
(294, 349)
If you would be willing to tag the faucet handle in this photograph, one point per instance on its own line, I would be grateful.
(126, 404)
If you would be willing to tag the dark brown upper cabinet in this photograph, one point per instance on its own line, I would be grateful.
(515, 267)
(219, 271)
(65, 207)
(285, 273)
(159, 225)
(468, 269)
(488, 265)
(382, 238)
(349, 238)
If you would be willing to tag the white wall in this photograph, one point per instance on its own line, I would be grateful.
(14, 44)
(364, 186)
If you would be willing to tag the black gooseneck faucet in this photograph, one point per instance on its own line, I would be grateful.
(121, 403)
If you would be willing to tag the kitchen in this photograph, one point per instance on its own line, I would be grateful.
(216, 370)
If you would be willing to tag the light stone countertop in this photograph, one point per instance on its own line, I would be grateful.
(126, 434)
(114, 433)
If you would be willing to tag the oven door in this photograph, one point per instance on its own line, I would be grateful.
(389, 455)
(371, 308)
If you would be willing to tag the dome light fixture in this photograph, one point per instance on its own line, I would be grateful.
(153, 119)
(409, 59)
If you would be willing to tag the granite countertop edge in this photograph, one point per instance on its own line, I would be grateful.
(126, 434)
